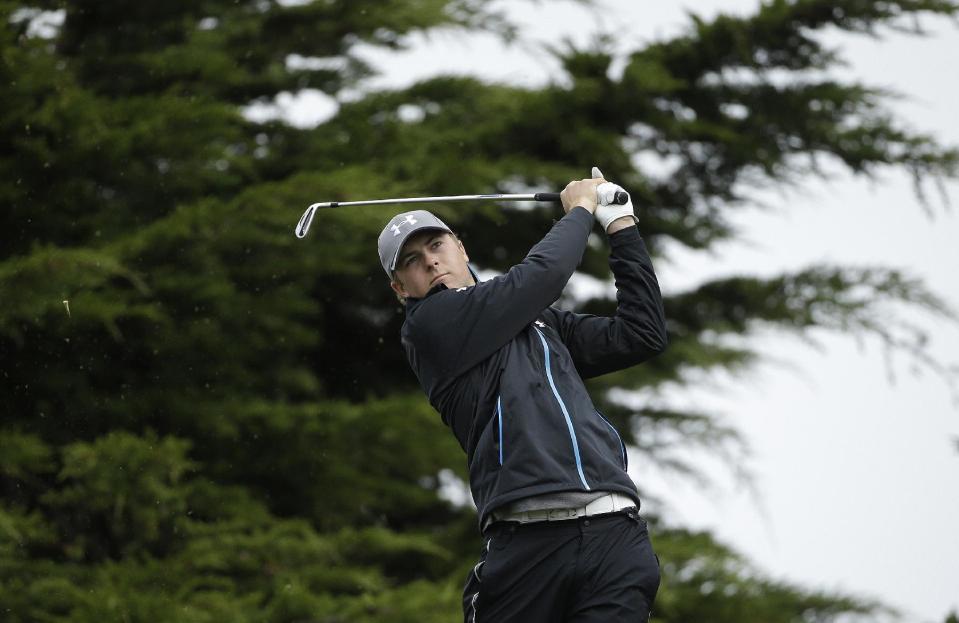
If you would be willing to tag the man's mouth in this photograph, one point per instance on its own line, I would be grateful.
(437, 278)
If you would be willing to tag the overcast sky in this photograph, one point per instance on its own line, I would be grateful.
(854, 453)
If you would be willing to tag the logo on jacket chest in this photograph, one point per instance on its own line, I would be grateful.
(540, 324)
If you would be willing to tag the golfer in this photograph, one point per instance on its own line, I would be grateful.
(563, 539)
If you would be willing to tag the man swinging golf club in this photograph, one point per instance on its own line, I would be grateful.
(563, 539)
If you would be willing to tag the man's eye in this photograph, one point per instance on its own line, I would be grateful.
(437, 243)
(410, 260)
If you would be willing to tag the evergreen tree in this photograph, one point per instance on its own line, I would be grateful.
(204, 419)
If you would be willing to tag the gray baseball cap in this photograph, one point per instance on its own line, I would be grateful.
(399, 229)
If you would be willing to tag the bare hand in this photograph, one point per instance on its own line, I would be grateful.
(581, 193)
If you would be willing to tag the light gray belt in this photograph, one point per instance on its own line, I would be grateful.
(610, 503)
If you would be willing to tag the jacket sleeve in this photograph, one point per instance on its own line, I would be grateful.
(600, 345)
(453, 330)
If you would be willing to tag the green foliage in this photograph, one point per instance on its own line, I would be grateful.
(205, 419)
(726, 588)
(120, 494)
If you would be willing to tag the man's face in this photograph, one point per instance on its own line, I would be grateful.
(428, 259)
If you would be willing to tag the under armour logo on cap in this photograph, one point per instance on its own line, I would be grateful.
(396, 227)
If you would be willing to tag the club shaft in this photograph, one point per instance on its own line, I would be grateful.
(371, 202)
(304, 225)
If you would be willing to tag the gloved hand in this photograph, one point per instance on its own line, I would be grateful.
(606, 211)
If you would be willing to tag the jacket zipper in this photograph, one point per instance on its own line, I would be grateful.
(499, 417)
(562, 405)
(622, 446)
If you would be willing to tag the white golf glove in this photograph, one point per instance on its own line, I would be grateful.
(607, 211)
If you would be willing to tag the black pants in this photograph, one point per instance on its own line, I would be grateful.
(591, 569)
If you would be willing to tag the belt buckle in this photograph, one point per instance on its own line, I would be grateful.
(536, 515)
(559, 514)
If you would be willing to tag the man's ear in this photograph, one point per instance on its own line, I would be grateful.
(463, 249)
(399, 289)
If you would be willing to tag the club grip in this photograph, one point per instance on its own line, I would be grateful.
(621, 198)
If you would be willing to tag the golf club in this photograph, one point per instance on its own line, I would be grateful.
(304, 225)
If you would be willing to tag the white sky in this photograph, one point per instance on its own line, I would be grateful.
(858, 476)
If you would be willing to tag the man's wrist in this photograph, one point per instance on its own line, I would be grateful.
(579, 212)
(621, 223)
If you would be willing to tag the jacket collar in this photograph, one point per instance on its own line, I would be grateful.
(412, 302)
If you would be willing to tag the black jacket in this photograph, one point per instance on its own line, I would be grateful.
(505, 370)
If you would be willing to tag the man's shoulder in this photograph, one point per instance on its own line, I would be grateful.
(434, 313)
